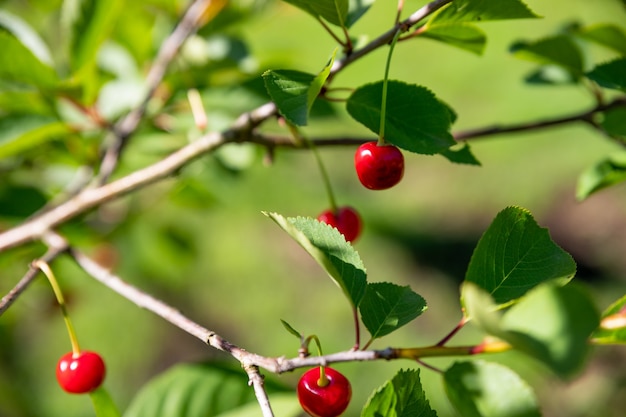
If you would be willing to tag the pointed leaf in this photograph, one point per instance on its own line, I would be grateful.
(386, 307)
(560, 50)
(461, 35)
(103, 403)
(357, 9)
(609, 35)
(318, 82)
(19, 65)
(416, 120)
(553, 324)
(607, 172)
(334, 11)
(290, 91)
(610, 75)
(486, 389)
(403, 396)
(331, 251)
(480, 10)
(460, 155)
(27, 36)
(613, 324)
(195, 390)
(514, 255)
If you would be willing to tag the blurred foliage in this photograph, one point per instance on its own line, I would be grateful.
(199, 240)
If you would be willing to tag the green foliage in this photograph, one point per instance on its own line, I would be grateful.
(481, 10)
(610, 75)
(103, 404)
(402, 396)
(613, 324)
(514, 255)
(487, 389)
(603, 174)
(333, 11)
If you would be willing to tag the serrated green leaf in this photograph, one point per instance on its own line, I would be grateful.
(331, 251)
(386, 307)
(356, 9)
(611, 332)
(606, 34)
(196, 390)
(103, 403)
(514, 255)
(553, 324)
(402, 396)
(487, 389)
(88, 24)
(20, 66)
(560, 50)
(22, 132)
(481, 10)
(608, 172)
(610, 75)
(461, 35)
(460, 155)
(333, 11)
(289, 90)
(416, 120)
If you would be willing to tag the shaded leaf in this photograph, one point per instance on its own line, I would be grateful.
(357, 9)
(487, 389)
(606, 173)
(613, 324)
(289, 89)
(460, 155)
(606, 34)
(610, 75)
(331, 251)
(560, 50)
(386, 307)
(402, 396)
(461, 35)
(481, 10)
(333, 11)
(416, 120)
(514, 255)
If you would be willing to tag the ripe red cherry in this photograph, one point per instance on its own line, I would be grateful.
(345, 219)
(328, 401)
(80, 373)
(379, 166)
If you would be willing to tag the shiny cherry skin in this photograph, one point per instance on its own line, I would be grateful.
(80, 373)
(345, 219)
(379, 166)
(328, 401)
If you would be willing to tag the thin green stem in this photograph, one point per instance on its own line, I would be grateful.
(323, 379)
(383, 105)
(45, 268)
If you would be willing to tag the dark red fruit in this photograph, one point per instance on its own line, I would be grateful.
(328, 401)
(345, 219)
(379, 167)
(80, 373)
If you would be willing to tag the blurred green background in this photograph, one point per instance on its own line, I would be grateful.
(200, 242)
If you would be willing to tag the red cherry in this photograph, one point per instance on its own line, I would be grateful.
(379, 167)
(345, 219)
(328, 401)
(80, 373)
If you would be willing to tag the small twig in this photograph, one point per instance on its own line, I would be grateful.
(257, 382)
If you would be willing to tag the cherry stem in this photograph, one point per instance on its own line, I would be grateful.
(45, 268)
(357, 328)
(383, 105)
(323, 379)
(325, 178)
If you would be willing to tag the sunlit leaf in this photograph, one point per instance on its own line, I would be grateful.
(606, 173)
(333, 11)
(27, 36)
(331, 251)
(461, 35)
(19, 65)
(487, 389)
(481, 10)
(402, 396)
(387, 307)
(514, 255)
(612, 328)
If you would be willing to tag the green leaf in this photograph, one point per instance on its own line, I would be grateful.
(196, 390)
(614, 122)
(486, 389)
(331, 251)
(22, 132)
(551, 75)
(19, 65)
(19, 201)
(357, 9)
(553, 324)
(318, 82)
(416, 120)
(402, 396)
(27, 36)
(481, 10)
(514, 255)
(479, 306)
(24, 102)
(289, 89)
(560, 50)
(610, 75)
(88, 24)
(613, 324)
(103, 403)
(460, 155)
(290, 329)
(608, 172)
(334, 11)
(386, 307)
(461, 35)
(606, 34)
